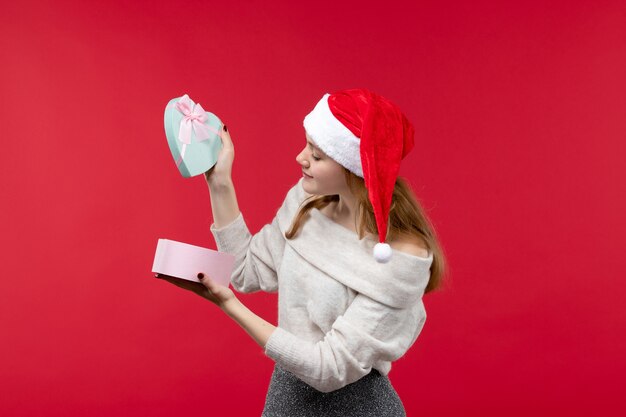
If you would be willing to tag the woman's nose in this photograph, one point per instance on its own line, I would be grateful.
(301, 160)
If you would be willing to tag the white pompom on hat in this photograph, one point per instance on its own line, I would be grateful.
(368, 135)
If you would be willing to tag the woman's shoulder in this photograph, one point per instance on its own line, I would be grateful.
(410, 244)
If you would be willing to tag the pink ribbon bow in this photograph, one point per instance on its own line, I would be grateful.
(194, 119)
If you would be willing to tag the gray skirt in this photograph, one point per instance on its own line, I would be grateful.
(372, 395)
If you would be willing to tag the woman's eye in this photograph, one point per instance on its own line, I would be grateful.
(316, 158)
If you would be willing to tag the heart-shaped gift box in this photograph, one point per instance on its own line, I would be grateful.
(193, 135)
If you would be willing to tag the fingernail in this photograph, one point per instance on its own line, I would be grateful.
(225, 128)
(200, 275)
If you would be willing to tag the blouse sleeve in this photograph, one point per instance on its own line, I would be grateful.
(256, 257)
(368, 332)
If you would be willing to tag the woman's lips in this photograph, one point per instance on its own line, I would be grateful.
(307, 176)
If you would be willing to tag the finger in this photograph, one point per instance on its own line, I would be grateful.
(184, 284)
(211, 285)
(226, 139)
(204, 280)
(195, 287)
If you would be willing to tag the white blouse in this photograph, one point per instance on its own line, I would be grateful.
(340, 313)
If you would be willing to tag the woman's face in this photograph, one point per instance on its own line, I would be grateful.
(326, 177)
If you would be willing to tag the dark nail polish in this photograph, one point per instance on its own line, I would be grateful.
(225, 128)
(200, 275)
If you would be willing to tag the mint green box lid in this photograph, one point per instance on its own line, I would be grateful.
(193, 136)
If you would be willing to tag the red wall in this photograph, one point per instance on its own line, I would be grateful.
(519, 112)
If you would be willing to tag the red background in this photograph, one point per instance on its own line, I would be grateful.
(519, 112)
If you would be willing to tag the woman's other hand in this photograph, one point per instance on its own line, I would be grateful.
(206, 288)
(221, 172)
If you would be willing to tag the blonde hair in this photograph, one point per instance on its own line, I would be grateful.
(406, 218)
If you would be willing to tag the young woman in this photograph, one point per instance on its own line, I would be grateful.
(344, 315)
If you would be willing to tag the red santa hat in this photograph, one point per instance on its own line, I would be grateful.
(368, 135)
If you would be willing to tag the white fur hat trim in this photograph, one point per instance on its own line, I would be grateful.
(333, 138)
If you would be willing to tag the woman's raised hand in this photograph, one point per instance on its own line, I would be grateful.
(221, 172)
